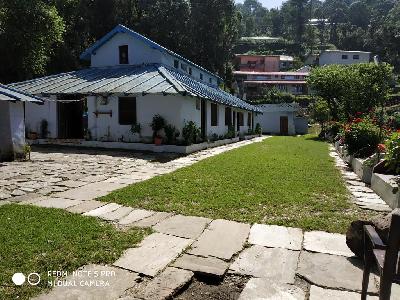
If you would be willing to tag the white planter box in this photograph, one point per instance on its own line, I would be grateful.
(386, 188)
(137, 146)
(347, 158)
(250, 137)
(363, 171)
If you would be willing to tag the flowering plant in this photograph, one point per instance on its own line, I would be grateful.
(392, 157)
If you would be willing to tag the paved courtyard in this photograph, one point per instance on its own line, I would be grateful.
(185, 257)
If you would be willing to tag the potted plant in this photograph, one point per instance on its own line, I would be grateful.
(258, 129)
(157, 125)
(32, 135)
(191, 133)
(136, 130)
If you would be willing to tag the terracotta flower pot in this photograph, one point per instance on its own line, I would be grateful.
(157, 141)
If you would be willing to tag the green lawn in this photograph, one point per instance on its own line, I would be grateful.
(38, 240)
(289, 181)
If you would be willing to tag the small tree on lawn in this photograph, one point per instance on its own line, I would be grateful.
(320, 112)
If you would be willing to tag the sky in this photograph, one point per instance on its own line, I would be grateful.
(267, 3)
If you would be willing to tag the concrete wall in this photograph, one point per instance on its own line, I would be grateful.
(177, 110)
(270, 122)
(17, 126)
(140, 53)
(34, 114)
(335, 57)
(6, 146)
(301, 125)
(12, 129)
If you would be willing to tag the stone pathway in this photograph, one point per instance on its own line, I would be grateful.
(82, 174)
(272, 262)
(362, 194)
(275, 262)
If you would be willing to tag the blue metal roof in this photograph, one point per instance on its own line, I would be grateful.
(10, 94)
(122, 29)
(130, 80)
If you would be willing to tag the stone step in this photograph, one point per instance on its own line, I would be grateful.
(183, 226)
(154, 253)
(209, 266)
(222, 239)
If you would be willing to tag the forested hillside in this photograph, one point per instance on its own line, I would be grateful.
(39, 37)
(368, 25)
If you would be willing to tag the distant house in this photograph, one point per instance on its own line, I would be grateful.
(339, 57)
(282, 119)
(253, 84)
(131, 79)
(12, 126)
(263, 63)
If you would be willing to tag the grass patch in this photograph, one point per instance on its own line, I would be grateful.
(290, 181)
(34, 239)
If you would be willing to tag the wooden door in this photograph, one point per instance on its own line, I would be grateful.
(284, 125)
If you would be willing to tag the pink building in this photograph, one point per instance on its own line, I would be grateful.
(263, 63)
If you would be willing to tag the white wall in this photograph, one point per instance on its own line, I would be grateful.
(12, 129)
(270, 122)
(139, 52)
(175, 109)
(17, 126)
(301, 125)
(6, 146)
(34, 114)
(222, 129)
(335, 57)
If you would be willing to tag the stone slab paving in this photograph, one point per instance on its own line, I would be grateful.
(110, 207)
(222, 239)
(135, 215)
(57, 203)
(317, 293)
(363, 196)
(276, 236)
(152, 219)
(86, 206)
(263, 289)
(153, 254)
(183, 226)
(276, 264)
(118, 281)
(166, 285)
(332, 271)
(116, 214)
(324, 242)
(203, 265)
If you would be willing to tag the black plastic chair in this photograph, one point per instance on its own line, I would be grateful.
(385, 257)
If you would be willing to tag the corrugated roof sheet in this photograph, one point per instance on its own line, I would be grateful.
(129, 80)
(10, 94)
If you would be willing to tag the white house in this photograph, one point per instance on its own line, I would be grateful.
(340, 57)
(130, 80)
(281, 119)
(12, 126)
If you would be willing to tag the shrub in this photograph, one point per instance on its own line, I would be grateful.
(362, 137)
(258, 129)
(231, 132)
(191, 133)
(393, 154)
(157, 124)
(171, 133)
(136, 128)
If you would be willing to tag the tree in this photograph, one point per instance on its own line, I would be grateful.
(351, 89)
(30, 28)
(320, 112)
